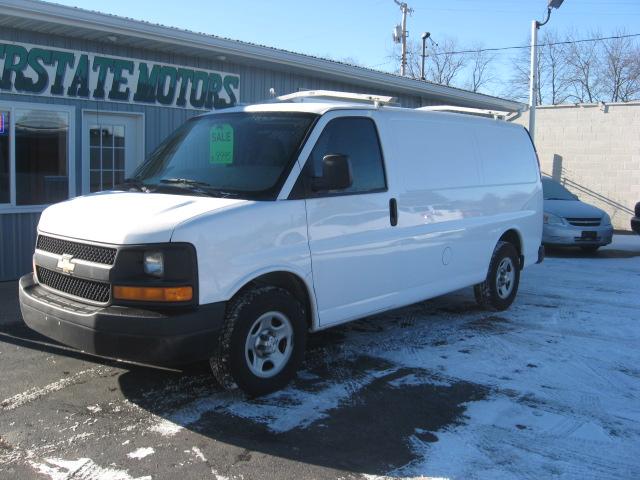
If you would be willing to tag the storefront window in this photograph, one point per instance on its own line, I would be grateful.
(106, 156)
(41, 156)
(5, 194)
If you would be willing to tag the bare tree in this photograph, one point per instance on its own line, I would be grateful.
(443, 65)
(569, 68)
(518, 84)
(414, 59)
(554, 71)
(583, 66)
(480, 74)
(551, 76)
(620, 69)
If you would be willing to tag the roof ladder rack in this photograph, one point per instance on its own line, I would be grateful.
(472, 111)
(329, 95)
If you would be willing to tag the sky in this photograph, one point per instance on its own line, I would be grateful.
(360, 30)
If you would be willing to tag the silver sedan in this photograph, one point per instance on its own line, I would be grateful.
(570, 222)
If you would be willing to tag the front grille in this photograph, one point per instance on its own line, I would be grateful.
(78, 287)
(83, 251)
(584, 222)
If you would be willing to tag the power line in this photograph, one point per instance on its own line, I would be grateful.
(566, 42)
(520, 47)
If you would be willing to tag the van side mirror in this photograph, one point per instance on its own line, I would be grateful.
(336, 173)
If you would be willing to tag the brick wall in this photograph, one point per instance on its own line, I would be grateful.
(594, 151)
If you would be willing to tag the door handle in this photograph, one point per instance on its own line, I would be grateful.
(393, 212)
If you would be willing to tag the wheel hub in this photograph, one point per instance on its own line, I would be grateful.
(505, 277)
(266, 344)
(269, 344)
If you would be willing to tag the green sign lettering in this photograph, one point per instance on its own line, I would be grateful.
(31, 69)
(80, 84)
(62, 60)
(37, 58)
(15, 62)
(120, 66)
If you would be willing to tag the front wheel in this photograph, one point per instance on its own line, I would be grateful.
(262, 343)
(499, 289)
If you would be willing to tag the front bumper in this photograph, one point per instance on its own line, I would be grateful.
(126, 333)
(570, 235)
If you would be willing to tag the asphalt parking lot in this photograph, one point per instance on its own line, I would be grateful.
(550, 388)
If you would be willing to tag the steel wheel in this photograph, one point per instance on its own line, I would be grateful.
(269, 344)
(505, 278)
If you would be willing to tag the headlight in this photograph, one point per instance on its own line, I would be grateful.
(606, 220)
(154, 263)
(158, 274)
(551, 219)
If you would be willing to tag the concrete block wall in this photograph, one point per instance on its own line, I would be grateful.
(594, 150)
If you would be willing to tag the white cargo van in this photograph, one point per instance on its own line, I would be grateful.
(250, 227)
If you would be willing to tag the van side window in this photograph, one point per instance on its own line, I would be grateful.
(355, 137)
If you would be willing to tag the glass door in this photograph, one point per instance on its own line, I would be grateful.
(112, 149)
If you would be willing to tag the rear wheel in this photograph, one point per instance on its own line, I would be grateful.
(500, 287)
(262, 343)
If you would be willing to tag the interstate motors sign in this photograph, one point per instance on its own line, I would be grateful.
(34, 70)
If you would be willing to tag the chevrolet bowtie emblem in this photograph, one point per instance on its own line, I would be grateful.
(65, 264)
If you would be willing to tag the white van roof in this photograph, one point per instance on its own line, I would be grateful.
(322, 101)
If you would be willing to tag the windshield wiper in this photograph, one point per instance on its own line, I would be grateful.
(137, 184)
(555, 198)
(185, 181)
(185, 185)
(196, 185)
(223, 193)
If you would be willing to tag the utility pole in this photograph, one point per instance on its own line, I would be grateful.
(425, 35)
(533, 79)
(404, 8)
(533, 76)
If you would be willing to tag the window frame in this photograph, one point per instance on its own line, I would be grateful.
(11, 107)
(294, 194)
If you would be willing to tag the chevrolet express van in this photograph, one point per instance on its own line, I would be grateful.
(250, 227)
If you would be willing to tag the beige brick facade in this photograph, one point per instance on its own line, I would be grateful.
(594, 150)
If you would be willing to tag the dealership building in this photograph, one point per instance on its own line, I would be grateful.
(85, 96)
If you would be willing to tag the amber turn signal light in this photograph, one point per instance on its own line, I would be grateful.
(153, 294)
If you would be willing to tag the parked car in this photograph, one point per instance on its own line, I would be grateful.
(568, 222)
(252, 226)
(635, 221)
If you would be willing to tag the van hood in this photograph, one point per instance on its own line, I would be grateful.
(572, 209)
(127, 217)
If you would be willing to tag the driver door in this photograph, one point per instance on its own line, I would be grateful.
(350, 232)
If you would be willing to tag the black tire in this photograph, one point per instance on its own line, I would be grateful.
(230, 364)
(590, 248)
(488, 295)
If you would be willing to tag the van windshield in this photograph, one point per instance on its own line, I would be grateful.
(246, 155)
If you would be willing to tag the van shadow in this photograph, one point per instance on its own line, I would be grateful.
(355, 413)
(347, 410)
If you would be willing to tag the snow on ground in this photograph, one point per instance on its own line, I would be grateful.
(141, 452)
(564, 377)
(440, 389)
(560, 369)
